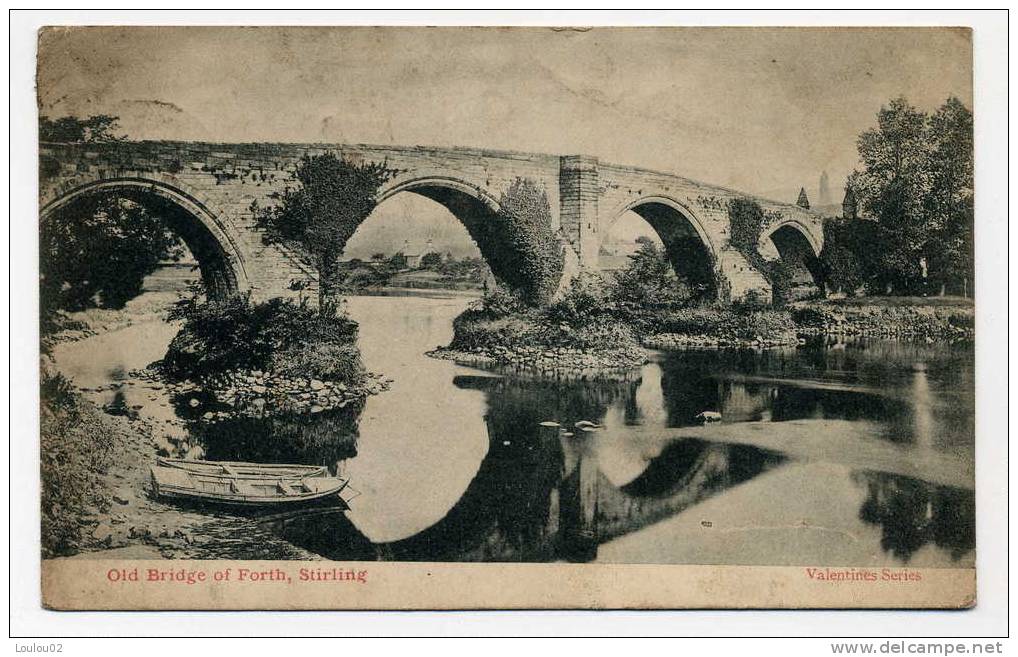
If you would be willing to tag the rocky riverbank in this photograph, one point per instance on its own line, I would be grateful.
(71, 327)
(906, 322)
(254, 393)
(684, 341)
(96, 495)
(553, 362)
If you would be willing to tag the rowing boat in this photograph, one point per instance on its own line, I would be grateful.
(244, 470)
(175, 482)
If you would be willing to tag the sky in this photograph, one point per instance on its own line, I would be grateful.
(762, 110)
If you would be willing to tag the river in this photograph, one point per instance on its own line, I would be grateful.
(854, 453)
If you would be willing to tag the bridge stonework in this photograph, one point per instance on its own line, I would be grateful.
(216, 184)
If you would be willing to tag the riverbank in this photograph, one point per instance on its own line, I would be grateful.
(96, 495)
(551, 362)
(254, 393)
(908, 318)
(592, 339)
(71, 327)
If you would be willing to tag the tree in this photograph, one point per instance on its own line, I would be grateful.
(318, 216)
(916, 182)
(100, 127)
(377, 257)
(649, 279)
(97, 251)
(950, 251)
(431, 260)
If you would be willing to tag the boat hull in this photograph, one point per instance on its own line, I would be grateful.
(175, 483)
(244, 470)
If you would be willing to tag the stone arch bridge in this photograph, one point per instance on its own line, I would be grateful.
(206, 190)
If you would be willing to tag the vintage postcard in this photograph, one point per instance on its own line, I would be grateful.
(501, 318)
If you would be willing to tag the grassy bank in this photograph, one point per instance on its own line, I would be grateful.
(95, 496)
(887, 317)
(715, 326)
(78, 446)
(592, 326)
(568, 336)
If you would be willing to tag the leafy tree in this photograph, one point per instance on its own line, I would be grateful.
(397, 261)
(950, 251)
(649, 279)
(97, 252)
(917, 183)
(317, 216)
(431, 260)
(100, 127)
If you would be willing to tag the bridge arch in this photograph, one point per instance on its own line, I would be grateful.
(813, 237)
(687, 243)
(476, 208)
(430, 186)
(795, 243)
(219, 258)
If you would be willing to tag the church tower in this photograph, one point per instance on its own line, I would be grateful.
(825, 190)
(803, 201)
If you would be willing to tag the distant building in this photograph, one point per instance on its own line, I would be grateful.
(824, 197)
(410, 258)
(803, 201)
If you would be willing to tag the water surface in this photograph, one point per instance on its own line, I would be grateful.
(852, 453)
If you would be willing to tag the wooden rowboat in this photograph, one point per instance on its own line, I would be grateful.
(244, 490)
(243, 470)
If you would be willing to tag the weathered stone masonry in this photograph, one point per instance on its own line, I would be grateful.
(216, 184)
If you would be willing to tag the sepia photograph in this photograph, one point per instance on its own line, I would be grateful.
(606, 317)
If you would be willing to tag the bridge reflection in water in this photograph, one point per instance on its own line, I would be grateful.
(873, 467)
(545, 494)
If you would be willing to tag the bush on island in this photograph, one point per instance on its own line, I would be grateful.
(278, 335)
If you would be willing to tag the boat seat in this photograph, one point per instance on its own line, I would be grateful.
(288, 488)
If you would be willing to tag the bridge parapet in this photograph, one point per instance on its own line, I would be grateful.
(221, 182)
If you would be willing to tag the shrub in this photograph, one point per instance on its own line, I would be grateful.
(754, 299)
(885, 320)
(727, 323)
(603, 333)
(649, 280)
(475, 330)
(76, 450)
(588, 295)
(501, 302)
(218, 337)
(328, 361)
(56, 391)
(520, 244)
